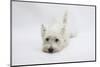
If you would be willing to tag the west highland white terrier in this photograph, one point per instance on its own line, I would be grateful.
(55, 37)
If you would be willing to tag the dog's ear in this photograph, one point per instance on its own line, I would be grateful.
(65, 18)
(63, 30)
(64, 23)
(43, 29)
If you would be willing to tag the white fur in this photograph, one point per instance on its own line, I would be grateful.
(58, 30)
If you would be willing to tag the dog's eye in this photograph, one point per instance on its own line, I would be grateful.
(56, 40)
(47, 39)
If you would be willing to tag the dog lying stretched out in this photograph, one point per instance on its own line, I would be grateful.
(55, 37)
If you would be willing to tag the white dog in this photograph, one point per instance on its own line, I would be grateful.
(55, 37)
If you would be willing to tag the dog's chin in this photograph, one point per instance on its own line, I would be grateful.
(46, 51)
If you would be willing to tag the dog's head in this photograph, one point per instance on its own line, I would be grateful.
(53, 40)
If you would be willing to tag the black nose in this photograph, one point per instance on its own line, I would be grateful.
(50, 50)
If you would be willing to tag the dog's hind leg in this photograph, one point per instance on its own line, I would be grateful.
(72, 35)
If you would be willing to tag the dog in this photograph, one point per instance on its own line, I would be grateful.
(55, 37)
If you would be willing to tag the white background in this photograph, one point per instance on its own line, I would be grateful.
(5, 38)
(27, 19)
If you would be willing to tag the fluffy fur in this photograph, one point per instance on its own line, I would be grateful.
(55, 37)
